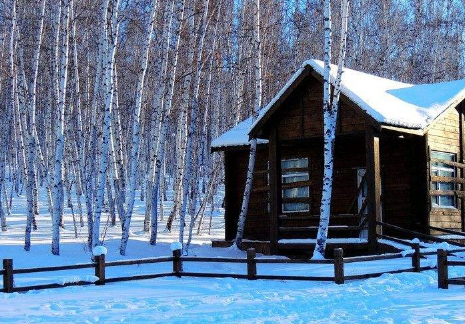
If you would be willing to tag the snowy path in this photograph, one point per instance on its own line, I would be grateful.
(401, 298)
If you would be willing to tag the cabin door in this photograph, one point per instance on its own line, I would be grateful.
(361, 200)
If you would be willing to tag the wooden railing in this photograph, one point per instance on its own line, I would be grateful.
(443, 269)
(418, 234)
(178, 262)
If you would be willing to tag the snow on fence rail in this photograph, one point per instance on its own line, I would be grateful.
(177, 261)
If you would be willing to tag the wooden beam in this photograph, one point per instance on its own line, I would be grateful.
(275, 187)
(447, 179)
(373, 179)
(462, 160)
(428, 181)
(229, 219)
(451, 163)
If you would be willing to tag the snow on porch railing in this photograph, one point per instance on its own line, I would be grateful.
(177, 260)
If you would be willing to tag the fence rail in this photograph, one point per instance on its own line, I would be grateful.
(178, 262)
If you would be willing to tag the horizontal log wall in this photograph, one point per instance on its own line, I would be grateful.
(444, 135)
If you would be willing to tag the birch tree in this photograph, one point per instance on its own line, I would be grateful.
(253, 142)
(330, 111)
(110, 43)
(133, 158)
(58, 193)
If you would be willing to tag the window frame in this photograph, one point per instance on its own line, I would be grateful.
(296, 172)
(436, 170)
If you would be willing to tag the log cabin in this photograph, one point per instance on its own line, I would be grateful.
(399, 159)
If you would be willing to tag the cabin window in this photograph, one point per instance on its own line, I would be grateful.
(295, 185)
(443, 170)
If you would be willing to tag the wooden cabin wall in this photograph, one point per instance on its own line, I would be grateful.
(257, 223)
(349, 155)
(302, 115)
(444, 135)
(403, 173)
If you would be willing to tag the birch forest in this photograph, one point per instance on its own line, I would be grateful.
(105, 102)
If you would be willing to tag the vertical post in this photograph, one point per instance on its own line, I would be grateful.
(100, 269)
(8, 275)
(177, 263)
(462, 160)
(275, 188)
(442, 270)
(416, 258)
(251, 264)
(230, 216)
(338, 266)
(373, 178)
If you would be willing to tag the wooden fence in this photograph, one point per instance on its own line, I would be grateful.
(443, 270)
(178, 261)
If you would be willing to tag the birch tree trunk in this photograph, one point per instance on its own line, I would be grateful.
(109, 70)
(58, 192)
(166, 103)
(253, 142)
(133, 158)
(12, 76)
(330, 119)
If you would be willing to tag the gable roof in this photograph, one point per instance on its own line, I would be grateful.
(388, 102)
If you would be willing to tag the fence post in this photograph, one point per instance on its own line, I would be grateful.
(177, 263)
(100, 269)
(442, 270)
(8, 275)
(338, 266)
(251, 264)
(416, 265)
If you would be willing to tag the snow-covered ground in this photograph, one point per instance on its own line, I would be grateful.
(399, 298)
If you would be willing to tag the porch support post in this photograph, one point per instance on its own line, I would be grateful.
(274, 187)
(373, 178)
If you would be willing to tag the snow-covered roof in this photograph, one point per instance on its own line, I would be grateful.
(236, 136)
(388, 102)
(396, 103)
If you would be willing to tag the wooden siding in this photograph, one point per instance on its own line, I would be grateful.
(301, 116)
(403, 173)
(257, 224)
(444, 135)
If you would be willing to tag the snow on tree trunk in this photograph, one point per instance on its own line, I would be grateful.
(330, 119)
(253, 142)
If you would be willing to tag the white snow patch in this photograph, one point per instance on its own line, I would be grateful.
(330, 240)
(176, 246)
(237, 136)
(67, 280)
(99, 250)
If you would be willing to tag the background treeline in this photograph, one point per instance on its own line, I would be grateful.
(101, 99)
